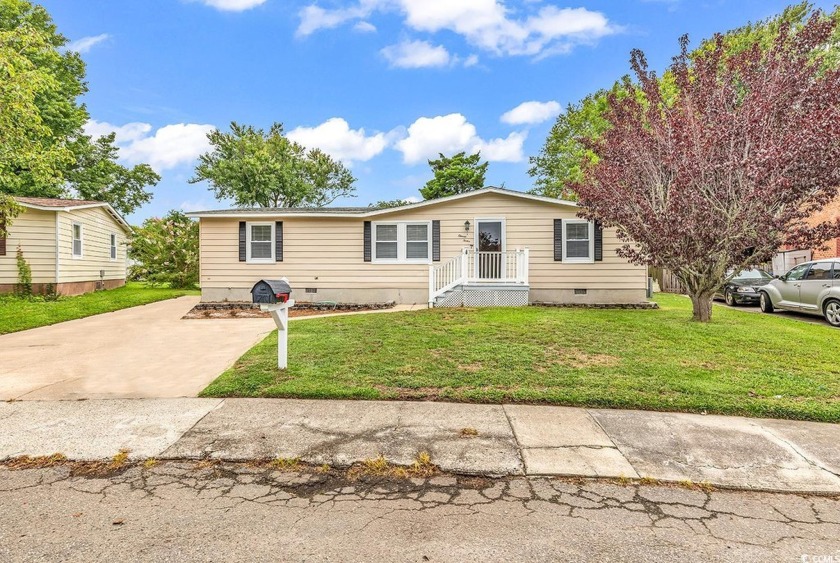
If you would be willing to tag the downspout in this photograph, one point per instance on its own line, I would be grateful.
(57, 251)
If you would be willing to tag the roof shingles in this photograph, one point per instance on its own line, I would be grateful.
(55, 202)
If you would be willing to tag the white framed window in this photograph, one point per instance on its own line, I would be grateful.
(260, 242)
(407, 242)
(113, 246)
(578, 241)
(78, 248)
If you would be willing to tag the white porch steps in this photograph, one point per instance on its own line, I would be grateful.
(480, 279)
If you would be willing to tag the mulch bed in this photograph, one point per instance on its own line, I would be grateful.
(247, 311)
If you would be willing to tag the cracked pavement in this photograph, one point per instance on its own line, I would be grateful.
(503, 440)
(211, 511)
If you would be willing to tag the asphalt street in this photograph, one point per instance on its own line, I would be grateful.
(205, 511)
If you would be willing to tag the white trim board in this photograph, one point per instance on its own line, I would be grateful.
(256, 213)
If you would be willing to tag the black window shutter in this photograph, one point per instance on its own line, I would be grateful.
(2, 238)
(435, 241)
(242, 251)
(278, 241)
(368, 254)
(599, 242)
(558, 240)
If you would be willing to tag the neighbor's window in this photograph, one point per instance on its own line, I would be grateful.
(77, 240)
(577, 241)
(113, 246)
(402, 242)
(260, 242)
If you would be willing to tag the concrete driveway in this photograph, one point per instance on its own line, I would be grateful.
(146, 351)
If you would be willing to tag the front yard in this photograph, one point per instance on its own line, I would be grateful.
(741, 363)
(22, 314)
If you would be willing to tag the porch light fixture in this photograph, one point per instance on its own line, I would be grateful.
(467, 226)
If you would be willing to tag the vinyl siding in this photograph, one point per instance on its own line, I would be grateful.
(328, 252)
(97, 226)
(34, 231)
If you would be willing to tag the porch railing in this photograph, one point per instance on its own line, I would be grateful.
(508, 267)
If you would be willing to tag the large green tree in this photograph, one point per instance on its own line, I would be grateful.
(257, 168)
(564, 157)
(96, 175)
(43, 149)
(457, 174)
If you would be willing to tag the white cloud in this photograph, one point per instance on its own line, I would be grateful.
(124, 133)
(531, 113)
(335, 137)
(233, 5)
(313, 18)
(85, 44)
(168, 147)
(472, 60)
(364, 27)
(188, 205)
(508, 149)
(486, 24)
(449, 134)
(416, 54)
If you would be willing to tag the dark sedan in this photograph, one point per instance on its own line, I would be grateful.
(743, 288)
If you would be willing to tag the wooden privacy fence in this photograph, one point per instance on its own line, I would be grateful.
(668, 282)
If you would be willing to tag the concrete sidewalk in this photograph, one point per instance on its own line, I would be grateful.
(510, 440)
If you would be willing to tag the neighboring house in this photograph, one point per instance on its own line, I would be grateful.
(830, 212)
(788, 257)
(488, 247)
(72, 245)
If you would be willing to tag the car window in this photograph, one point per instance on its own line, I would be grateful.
(837, 270)
(797, 272)
(819, 271)
(752, 275)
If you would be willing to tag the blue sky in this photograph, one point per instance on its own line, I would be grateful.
(380, 84)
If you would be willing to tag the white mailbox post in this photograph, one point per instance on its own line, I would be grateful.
(280, 314)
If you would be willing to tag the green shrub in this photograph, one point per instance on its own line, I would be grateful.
(23, 288)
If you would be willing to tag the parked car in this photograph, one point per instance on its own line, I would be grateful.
(743, 288)
(811, 287)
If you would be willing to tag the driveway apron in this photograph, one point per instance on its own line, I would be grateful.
(141, 352)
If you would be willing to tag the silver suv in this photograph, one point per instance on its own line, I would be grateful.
(812, 287)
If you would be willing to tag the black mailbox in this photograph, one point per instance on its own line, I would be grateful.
(271, 291)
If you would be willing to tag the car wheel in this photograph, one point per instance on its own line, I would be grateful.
(831, 311)
(730, 299)
(765, 303)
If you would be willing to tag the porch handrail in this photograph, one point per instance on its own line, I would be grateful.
(507, 266)
(447, 275)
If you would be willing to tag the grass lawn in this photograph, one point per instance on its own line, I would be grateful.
(741, 363)
(18, 314)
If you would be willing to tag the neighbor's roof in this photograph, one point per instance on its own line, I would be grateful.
(58, 204)
(366, 211)
(55, 202)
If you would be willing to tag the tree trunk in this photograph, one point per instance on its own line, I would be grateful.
(702, 304)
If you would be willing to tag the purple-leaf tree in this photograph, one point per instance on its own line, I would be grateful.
(716, 166)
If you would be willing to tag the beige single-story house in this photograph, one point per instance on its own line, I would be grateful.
(488, 247)
(72, 245)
